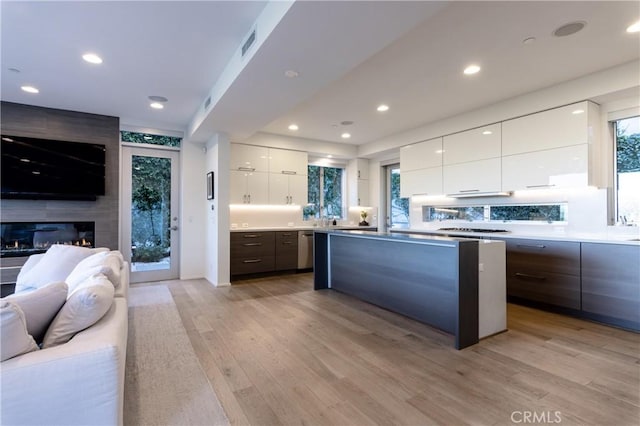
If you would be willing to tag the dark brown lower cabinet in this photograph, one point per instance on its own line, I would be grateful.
(260, 252)
(544, 271)
(611, 283)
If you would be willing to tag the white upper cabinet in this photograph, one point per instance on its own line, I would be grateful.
(363, 168)
(248, 187)
(287, 162)
(421, 155)
(554, 168)
(358, 182)
(421, 182)
(556, 128)
(471, 145)
(288, 189)
(475, 177)
(249, 158)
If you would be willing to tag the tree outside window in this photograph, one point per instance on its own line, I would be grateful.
(628, 170)
(325, 193)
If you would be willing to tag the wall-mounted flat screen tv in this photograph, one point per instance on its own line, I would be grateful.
(51, 170)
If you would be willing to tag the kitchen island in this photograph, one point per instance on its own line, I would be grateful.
(435, 280)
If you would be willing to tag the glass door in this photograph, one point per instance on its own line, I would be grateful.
(150, 206)
(397, 208)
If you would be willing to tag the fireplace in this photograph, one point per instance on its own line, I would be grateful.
(27, 238)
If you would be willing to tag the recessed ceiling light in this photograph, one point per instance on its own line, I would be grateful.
(25, 160)
(92, 58)
(156, 105)
(329, 156)
(382, 108)
(30, 89)
(578, 111)
(158, 99)
(291, 73)
(487, 132)
(346, 135)
(440, 151)
(35, 172)
(529, 40)
(472, 69)
(293, 127)
(569, 29)
(634, 28)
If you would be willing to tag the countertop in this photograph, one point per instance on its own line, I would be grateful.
(575, 237)
(303, 228)
(401, 237)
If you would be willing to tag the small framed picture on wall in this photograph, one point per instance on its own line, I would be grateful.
(210, 186)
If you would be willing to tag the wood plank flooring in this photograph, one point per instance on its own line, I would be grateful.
(277, 352)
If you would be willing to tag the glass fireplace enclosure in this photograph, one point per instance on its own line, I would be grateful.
(27, 238)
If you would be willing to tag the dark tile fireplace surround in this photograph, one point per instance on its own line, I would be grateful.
(21, 239)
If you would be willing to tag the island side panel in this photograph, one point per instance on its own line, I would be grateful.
(467, 305)
(416, 280)
(320, 260)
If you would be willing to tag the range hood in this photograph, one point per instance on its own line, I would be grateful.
(473, 194)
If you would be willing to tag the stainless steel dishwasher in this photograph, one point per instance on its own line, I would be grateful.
(305, 249)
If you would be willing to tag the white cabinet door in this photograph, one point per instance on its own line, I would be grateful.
(363, 192)
(278, 188)
(473, 177)
(238, 187)
(258, 187)
(555, 128)
(421, 182)
(421, 155)
(556, 168)
(472, 145)
(363, 168)
(284, 160)
(298, 190)
(249, 158)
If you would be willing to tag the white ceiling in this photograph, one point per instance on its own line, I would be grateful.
(351, 56)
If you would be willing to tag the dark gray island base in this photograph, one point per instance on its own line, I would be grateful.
(431, 279)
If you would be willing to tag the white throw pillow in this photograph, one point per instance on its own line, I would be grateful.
(106, 263)
(40, 307)
(89, 302)
(14, 339)
(56, 265)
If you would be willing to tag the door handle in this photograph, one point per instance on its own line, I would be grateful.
(173, 228)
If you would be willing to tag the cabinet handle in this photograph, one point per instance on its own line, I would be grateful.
(287, 242)
(469, 190)
(252, 244)
(247, 169)
(252, 261)
(251, 236)
(286, 234)
(541, 186)
(539, 246)
(358, 174)
(249, 198)
(531, 277)
(289, 172)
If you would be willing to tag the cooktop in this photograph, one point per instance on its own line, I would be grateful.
(473, 230)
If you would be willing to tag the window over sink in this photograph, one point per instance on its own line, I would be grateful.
(548, 213)
(325, 193)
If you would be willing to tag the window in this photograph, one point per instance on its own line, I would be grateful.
(627, 175)
(397, 207)
(545, 213)
(325, 193)
(149, 139)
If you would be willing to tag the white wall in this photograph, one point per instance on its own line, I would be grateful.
(216, 229)
(192, 211)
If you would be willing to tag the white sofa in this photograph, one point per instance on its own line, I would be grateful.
(80, 382)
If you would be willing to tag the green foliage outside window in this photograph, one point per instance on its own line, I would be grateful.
(150, 139)
(324, 193)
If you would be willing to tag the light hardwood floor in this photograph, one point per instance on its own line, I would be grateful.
(277, 352)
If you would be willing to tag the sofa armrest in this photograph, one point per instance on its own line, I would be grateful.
(123, 289)
(79, 382)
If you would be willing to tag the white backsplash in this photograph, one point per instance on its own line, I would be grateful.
(268, 216)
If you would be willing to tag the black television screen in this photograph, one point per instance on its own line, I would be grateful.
(49, 169)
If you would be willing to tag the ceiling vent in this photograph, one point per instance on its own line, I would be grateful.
(249, 42)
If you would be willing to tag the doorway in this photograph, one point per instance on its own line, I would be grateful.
(397, 208)
(150, 206)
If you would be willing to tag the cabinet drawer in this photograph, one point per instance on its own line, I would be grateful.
(248, 244)
(252, 265)
(554, 289)
(556, 257)
(239, 238)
